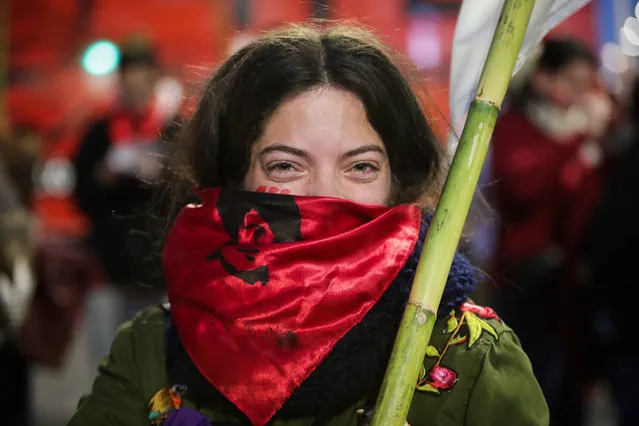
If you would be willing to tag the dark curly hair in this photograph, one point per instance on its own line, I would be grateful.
(214, 147)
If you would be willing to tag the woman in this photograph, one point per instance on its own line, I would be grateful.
(288, 280)
(546, 157)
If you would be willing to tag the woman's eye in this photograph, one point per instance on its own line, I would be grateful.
(364, 168)
(283, 167)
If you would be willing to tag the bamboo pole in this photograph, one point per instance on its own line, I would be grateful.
(406, 360)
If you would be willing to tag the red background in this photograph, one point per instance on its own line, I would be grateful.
(50, 92)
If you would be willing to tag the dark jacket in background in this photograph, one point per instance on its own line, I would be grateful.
(119, 214)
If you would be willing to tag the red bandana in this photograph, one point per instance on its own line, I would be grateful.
(262, 286)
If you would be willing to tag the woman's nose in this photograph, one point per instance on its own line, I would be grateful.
(325, 185)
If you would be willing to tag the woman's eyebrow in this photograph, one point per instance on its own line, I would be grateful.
(364, 149)
(284, 148)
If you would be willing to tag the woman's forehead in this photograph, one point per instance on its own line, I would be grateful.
(325, 120)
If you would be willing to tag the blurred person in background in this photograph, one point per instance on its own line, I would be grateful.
(116, 163)
(611, 251)
(546, 157)
(18, 152)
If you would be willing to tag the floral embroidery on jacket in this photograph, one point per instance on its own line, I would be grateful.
(440, 378)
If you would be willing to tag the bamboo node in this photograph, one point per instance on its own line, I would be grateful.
(421, 316)
(487, 101)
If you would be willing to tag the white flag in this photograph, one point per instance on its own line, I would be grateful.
(473, 34)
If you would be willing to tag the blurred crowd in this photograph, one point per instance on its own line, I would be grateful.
(560, 179)
(561, 183)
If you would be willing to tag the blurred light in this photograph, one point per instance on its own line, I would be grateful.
(424, 43)
(629, 36)
(101, 58)
(57, 178)
(613, 58)
(168, 94)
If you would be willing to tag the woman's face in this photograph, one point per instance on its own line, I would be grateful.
(568, 86)
(320, 143)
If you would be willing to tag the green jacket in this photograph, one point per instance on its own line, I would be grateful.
(475, 373)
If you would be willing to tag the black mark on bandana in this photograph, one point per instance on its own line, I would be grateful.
(281, 222)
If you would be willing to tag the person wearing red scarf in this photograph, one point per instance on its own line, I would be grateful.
(546, 166)
(116, 161)
(294, 239)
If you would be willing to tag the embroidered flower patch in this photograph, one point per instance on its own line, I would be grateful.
(440, 378)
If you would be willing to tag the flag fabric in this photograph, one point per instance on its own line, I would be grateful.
(473, 34)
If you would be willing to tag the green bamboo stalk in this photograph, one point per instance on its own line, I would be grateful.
(397, 390)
